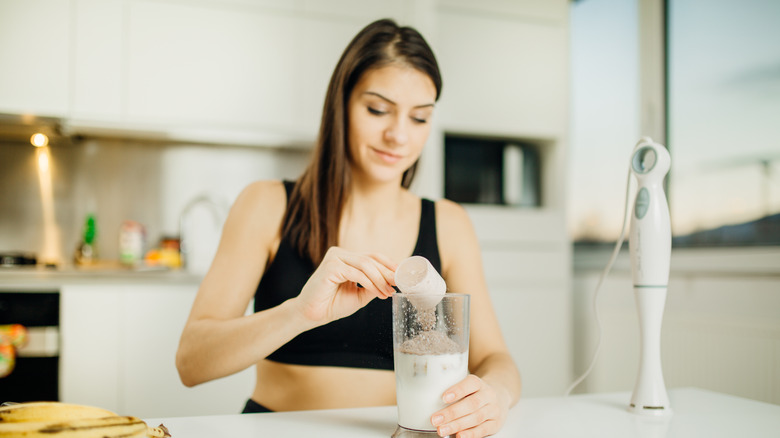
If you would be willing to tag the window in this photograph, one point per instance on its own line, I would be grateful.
(723, 117)
(605, 116)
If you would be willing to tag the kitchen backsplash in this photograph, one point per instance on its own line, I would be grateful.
(119, 180)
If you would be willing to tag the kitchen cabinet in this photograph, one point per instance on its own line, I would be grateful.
(527, 261)
(200, 63)
(89, 352)
(118, 351)
(97, 59)
(503, 75)
(235, 67)
(505, 72)
(721, 321)
(34, 55)
(535, 322)
(358, 11)
(553, 11)
(319, 43)
(262, 67)
(215, 71)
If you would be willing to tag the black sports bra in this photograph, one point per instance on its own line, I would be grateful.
(361, 340)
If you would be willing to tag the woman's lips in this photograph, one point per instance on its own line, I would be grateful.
(388, 157)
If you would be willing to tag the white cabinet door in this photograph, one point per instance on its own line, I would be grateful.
(527, 262)
(90, 357)
(546, 10)
(197, 63)
(97, 59)
(153, 318)
(34, 55)
(360, 12)
(322, 32)
(318, 46)
(535, 322)
(502, 76)
(530, 291)
(119, 347)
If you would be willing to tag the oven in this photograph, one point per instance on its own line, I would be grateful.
(35, 376)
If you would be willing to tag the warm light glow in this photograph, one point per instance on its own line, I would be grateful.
(39, 140)
(43, 161)
(51, 235)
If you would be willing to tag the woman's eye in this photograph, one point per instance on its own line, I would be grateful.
(375, 111)
(419, 120)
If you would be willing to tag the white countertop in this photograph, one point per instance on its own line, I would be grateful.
(39, 278)
(696, 413)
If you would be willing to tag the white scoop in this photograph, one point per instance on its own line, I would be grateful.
(418, 279)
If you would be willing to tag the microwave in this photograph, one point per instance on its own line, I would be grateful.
(482, 170)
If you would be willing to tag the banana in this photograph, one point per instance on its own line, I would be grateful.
(49, 411)
(66, 420)
(158, 432)
(105, 427)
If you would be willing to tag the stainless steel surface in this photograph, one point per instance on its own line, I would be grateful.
(149, 182)
(20, 128)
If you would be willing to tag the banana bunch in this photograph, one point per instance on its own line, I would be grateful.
(65, 420)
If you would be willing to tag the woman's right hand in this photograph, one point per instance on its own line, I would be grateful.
(332, 292)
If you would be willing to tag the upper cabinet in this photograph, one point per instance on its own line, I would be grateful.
(256, 71)
(200, 63)
(505, 67)
(233, 71)
(34, 55)
(552, 11)
(98, 35)
(318, 44)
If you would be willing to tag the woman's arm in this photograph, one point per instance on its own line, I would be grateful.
(480, 402)
(218, 339)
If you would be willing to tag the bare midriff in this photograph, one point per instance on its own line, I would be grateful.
(284, 387)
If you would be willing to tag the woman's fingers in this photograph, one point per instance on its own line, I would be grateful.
(344, 282)
(474, 411)
(364, 279)
(371, 272)
(465, 387)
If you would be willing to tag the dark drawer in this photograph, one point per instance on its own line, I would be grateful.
(30, 308)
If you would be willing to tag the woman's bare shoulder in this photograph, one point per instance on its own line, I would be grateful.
(261, 205)
(451, 218)
(266, 192)
(457, 240)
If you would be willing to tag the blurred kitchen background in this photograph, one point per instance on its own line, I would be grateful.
(172, 189)
(158, 112)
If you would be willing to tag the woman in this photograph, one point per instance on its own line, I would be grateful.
(324, 249)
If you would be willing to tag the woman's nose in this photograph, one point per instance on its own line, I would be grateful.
(397, 132)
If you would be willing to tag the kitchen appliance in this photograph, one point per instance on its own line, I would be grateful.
(36, 374)
(650, 247)
(17, 258)
(483, 170)
(430, 354)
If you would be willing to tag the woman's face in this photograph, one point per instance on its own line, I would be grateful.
(389, 112)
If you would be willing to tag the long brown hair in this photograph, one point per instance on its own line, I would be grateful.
(312, 218)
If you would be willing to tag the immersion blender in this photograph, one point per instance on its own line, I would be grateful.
(650, 247)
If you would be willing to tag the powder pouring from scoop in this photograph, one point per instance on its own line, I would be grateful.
(418, 279)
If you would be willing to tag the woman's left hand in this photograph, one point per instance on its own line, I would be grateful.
(476, 410)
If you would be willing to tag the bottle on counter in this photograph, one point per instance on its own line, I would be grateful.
(86, 250)
(132, 236)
